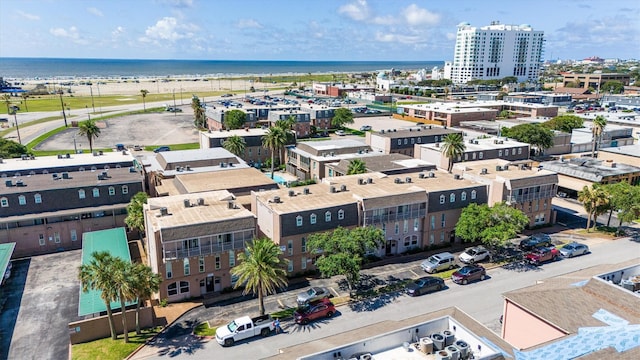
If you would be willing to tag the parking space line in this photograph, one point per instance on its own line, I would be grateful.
(414, 273)
(334, 291)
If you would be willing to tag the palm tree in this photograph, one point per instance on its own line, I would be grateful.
(260, 270)
(595, 201)
(121, 275)
(235, 144)
(356, 166)
(144, 93)
(98, 275)
(453, 147)
(274, 139)
(89, 129)
(145, 283)
(135, 212)
(599, 123)
(7, 100)
(24, 96)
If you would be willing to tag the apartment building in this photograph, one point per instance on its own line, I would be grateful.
(47, 203)
(495, 52)
(193, 241)
(302, 126)
(444, 114)
(594, 81)
(254, 153)
(388, 164)
(403, 141)
(216, 116)
(307, 159)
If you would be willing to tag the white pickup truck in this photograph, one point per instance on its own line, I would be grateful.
(244, 328)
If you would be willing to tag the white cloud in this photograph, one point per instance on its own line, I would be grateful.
(248, 23)
(71, 33)
(179, 3)
(385, 20)
(117, 32)
(415, 15)
(28, 16)
(399, 38)
(357, 10)
(94, 11)
(168, 29)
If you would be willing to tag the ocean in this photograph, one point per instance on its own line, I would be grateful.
(48, 68)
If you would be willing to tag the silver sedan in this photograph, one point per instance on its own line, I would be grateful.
(574, 249)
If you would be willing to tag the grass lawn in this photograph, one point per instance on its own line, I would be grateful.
(107, 349)
(600, 231)
(203, 329)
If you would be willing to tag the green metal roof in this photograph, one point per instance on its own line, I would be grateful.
(113, 241)
(6, 250)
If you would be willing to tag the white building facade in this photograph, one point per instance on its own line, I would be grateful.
(496, 51)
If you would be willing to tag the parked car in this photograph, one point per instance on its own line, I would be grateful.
(244, 328)
(313, 294)
(120, 147)
(226, 95)
(535, 241)
(174, 109)
(424, 285)
(574, 249)
(469, 273)
(161, 149)
(542, 255)
(137, 147)
(365, 128)
(340, 133)
(474, 254)
(438, 262)
(323, 308)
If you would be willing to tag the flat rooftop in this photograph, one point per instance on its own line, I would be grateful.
(628, 150)
(227, 179)
(413, 131)
(588, 169)
(238, 132)
(74, 160)
(509, 170)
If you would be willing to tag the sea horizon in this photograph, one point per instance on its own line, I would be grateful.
(69, 68)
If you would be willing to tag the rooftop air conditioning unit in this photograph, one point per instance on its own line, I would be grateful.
(188, 167)
(361, 181)
(187, 203)
(200, 201)
(164, 211)
(230, 205)
(407, 179)
(432, 174)
(498, 168)
(65, 175)
(276, 199)
(421, 176)
(332, 189)
(397, 181)
(456, 176)
(292, 193)
(343, 187)
(483, 171)
(306, 191)
(369, 180)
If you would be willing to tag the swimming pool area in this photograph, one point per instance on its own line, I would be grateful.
(277, 178)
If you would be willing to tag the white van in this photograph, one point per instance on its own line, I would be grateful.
(438, 262)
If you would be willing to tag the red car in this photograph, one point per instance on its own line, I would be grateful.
(468, 274)
(542, 255)
(320, 309)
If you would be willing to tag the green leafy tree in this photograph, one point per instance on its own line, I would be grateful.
(595, 202)
(624, 198)
(494, 226)
(145, 283)
(11, 149)
(98, 275)
(342, 251)
(356, 166)
(533, 134)
(565, 123)
(135, 212)
(89, 129)
(612, 87)
(273, 140)
(599, 123)
(453, 147)
(234, 119)
(144, 93)
(261, 270)
(341, 117)
(235, 144)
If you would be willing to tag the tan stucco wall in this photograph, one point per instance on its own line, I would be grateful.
(98, 328)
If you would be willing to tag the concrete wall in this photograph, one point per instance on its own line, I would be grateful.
(98, 327)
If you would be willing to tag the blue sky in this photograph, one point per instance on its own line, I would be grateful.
(313, 30)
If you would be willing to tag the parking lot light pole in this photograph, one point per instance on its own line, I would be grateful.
(64, 115)
(15, 118)
(174, 102)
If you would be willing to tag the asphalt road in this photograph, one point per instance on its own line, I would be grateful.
(481, 300)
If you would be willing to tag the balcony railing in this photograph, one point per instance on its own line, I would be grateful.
(203, 250)
(370, 219)
(531, 197)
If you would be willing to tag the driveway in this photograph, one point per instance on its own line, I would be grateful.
(42, 298)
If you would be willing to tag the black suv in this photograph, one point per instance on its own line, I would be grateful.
(535, 241)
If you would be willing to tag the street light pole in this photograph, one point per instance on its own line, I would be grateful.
(93, 105)
(64, 115)
(15, 118)
(174, 102)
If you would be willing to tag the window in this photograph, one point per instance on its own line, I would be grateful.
(442, 220)
(340, 214)
(298, 220)
(290, 266)
(96, 192)
(232, 258)
(416, 224)
(397, 228)
(22, 200)
(499, 153)
(217, 258)
(303, 263)
(41, 239)
(312, 218)
(506, 152)
(405, 226)
(442, 199)
(463, 196)
(519, 151)
(201, 264)
(81, 194)
(433, 222)
(544, 205)
(74, 235)
(327, 216)
(37, 198)
(187, 266)
(399, 141)
(184, 287)
(56, 237)
(125, 189)
(442, 237)
(303, 245)
(384, 228)
(172, 289)
(480, 155)
(407, 241)
(473, 194)
(431, 240)
(112, 191)
(169, 270)
(452, 197)
(290, 247)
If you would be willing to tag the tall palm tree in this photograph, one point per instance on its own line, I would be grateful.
(599, 123)
(274, 139)
(145, 283)
(144, 93)
(235, 144)
(261, 270)
(453, 147)
(7, 100)
(24, 97)
(97, 275)
(595, 201)
(135, 212)
(121, 275)
(356, 166)
(89, 129)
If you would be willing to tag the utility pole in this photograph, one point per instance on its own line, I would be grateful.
(15, 117)
(174, 102)
(93, 105)
(62, 106)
